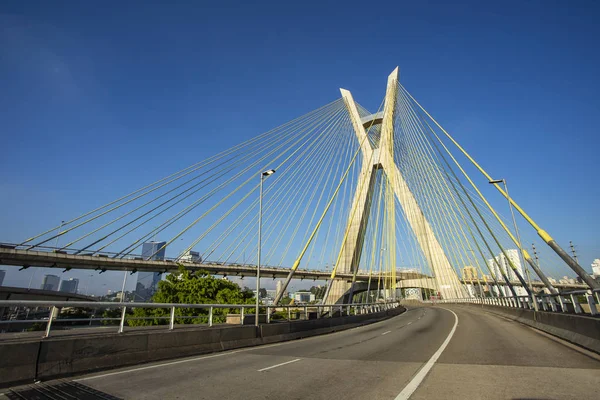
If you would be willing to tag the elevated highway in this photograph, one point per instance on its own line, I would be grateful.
(103, 262)
(17, 293)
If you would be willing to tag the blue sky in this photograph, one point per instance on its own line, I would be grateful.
(101, 98)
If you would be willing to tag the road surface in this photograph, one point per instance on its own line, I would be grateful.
(449, 352)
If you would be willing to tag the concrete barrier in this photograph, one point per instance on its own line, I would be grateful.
(18, 360)
(50, 358)
(578, 329)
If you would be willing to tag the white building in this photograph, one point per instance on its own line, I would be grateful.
(596, 268)
(500, 261)
(304, 297)
(191, 257)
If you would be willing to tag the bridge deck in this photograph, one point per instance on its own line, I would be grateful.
(26, 258)
(29, 258)
(486, 357)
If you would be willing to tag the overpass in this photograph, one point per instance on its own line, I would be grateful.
(17, 293)
(10, 255)
(103, 262)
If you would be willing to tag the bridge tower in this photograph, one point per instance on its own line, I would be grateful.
(382, 158)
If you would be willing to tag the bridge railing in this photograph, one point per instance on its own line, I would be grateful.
(565, 302)
(238, 312)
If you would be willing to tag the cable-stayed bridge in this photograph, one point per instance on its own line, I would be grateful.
(380, 204)
(351, 190)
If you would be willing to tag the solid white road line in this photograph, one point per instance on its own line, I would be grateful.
(157, 365)
(385, 333)
(418, 378)
(279, 365)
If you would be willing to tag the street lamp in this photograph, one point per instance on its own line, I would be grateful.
(263, 175)
(123, 287)
(503, 181)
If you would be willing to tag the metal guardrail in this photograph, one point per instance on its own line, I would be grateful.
(322, 310)
(565, 302)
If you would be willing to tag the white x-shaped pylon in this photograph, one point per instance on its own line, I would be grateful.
(382, 158)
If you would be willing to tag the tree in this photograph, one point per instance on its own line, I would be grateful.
(185, 287)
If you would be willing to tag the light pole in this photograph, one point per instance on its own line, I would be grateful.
(521, 256)
(123, 287)
(379, 279)
(260, 195)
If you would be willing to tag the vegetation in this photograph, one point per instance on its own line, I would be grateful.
(185, 287)
(318, 291)
(112, 313)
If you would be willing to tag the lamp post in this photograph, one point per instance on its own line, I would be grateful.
(263, 175)
(123, 287)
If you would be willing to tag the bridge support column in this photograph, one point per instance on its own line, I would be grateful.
(448, 283)
(352, 247)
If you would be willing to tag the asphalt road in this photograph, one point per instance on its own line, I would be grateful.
(452, 352)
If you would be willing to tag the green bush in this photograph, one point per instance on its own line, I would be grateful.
(185, 287)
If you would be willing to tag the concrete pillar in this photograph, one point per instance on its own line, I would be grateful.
(383, 158)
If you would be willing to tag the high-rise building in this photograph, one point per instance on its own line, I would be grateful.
(500, 266)
(154, 250)
(470, 273)
(471, 281)
(191, 257)
(596, 268)
(147, 282)
(69, 285)
(2, 275)
(50, 282)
